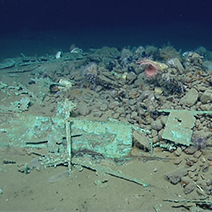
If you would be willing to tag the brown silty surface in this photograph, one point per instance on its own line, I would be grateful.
(174, 176)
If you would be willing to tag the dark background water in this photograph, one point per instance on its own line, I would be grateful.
(37, 27)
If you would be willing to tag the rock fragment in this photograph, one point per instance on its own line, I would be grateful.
(206, 97)
(140, 140)
(175, 176)
(190, 98)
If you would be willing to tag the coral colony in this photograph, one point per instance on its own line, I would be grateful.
(151, 70)
(200, 143)
(90, 72)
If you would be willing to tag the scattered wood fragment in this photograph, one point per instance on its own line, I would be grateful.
(107, 170)
(204, 201)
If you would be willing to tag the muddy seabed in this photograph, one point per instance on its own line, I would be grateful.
(108, 83)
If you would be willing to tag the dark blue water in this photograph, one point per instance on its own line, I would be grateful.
(39, 27)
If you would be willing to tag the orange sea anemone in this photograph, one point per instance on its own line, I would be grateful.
(151, 70)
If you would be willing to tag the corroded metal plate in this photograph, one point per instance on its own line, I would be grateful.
(179, 127)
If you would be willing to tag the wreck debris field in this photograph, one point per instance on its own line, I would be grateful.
(105, 109)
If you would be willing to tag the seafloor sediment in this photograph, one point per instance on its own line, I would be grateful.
(136, 86)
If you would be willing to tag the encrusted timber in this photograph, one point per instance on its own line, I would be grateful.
(109, 171)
